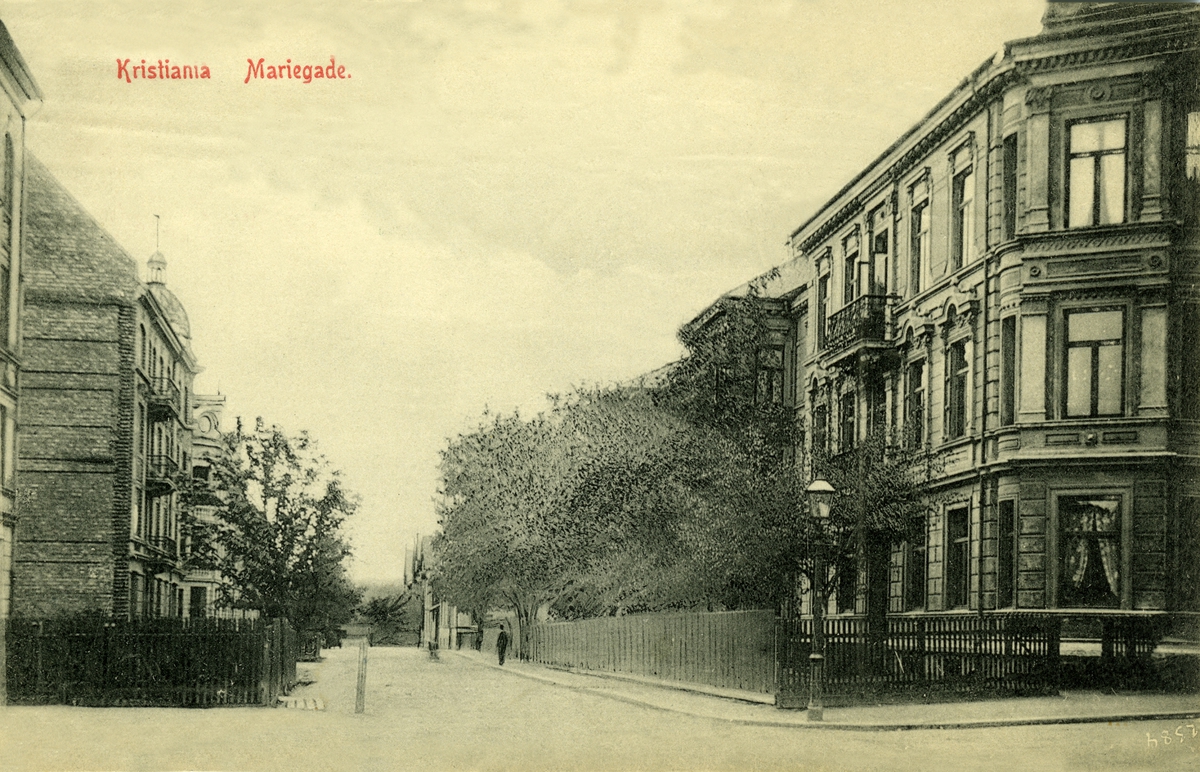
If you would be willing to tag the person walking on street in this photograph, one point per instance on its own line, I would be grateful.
(501, 643)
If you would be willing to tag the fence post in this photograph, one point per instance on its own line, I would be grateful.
(360, 694)
(264, 674)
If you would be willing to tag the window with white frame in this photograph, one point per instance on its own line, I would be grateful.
(1096, 172)
(919, 246)
(963, 245)
(1094, 363)
(877, 261)
(850, 269)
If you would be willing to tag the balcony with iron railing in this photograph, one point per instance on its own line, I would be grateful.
(862, 323)
(165, 399)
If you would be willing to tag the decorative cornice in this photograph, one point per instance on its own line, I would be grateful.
(1038, 99)
(1056, 242)
(1162, 44)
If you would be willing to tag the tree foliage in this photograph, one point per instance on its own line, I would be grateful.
(393, 615)
(275, 510)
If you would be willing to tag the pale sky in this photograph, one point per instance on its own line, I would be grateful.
(504, 199)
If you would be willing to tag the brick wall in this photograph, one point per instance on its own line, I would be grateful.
(76, 410)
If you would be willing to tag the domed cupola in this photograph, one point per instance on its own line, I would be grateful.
(156, 269)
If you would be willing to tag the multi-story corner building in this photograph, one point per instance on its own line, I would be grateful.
(1013, 285)
(105, 420)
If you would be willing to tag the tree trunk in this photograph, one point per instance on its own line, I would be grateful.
(525, 616)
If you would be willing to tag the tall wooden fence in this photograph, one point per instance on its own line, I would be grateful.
(150, 662)
(730, 649)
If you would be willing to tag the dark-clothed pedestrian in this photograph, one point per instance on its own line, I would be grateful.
(501, 643)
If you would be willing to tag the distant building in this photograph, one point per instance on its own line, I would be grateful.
(444, 626)
(202, 587)
(105, 420)
(1013, 285)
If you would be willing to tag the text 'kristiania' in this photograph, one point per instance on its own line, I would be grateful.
(304, 73)
(164, 70)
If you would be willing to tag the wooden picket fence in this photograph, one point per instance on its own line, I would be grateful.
(730, 649)
(194, 662)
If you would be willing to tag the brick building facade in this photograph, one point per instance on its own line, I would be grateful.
(105, 420)
(1012, 285)
(21, 98)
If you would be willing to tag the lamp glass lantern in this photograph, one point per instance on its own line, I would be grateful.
(820, 499)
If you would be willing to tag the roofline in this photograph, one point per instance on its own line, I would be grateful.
(164, 324)
(10, 55)
(912, 131)
(980, 80)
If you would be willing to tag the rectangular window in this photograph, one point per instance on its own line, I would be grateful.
(846, 422)
(963, 244)
(5, 306)
(822, 310)
(1008, 371)
(135, 596)
(876, 407)
(1189, 365)
(914, 403)
(877, 269)
(1090, 547)
(1006, 542)
(1010, 187)
(1095, 363)
(919, 251)
(958, 553)
(1096, 186)
(847, 587)
(914, 568)
(820, 437)
(956, 390)
(769, 386)
(7, 466)
(198, 602)
(850, 270)
(1188, 580)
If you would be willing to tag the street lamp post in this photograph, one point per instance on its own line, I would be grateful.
(820, 498)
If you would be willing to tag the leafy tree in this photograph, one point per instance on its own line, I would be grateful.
(275, 534)
(392, 615)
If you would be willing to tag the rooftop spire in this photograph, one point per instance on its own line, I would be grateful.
(157, 264)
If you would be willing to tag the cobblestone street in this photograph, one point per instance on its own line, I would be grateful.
(456, 714)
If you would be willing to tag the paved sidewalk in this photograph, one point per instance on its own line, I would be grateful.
(755, 709)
